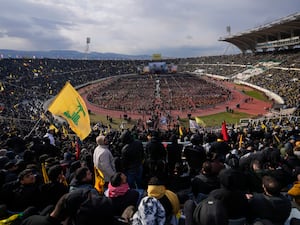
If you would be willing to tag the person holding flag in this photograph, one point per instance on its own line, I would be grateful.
(50, 134)
(220, 147)
(103, 158)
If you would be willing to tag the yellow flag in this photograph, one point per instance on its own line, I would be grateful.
(69, 104)
(45, 175)
(264, 127)
(241, 141)
(180, 131)
(99, 180)
(200, 121)
(52, 127)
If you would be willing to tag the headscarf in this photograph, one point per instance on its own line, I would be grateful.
(158, 191)
(150, 212)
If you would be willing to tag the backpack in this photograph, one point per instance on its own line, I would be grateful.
(210, 211)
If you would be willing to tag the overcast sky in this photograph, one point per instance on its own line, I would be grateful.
(174, 28)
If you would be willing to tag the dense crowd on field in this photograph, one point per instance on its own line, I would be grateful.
(184, 92)
(48, 177)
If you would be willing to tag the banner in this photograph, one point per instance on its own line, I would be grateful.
(199, 121)
(194, 125)
(224, 132)
(69, 105)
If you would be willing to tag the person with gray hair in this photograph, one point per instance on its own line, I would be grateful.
(103, 158)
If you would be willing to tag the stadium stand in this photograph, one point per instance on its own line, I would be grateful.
(268, 146)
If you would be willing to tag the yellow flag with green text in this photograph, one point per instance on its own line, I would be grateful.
(69, 105)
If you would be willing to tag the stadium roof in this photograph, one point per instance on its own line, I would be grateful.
(284, 32)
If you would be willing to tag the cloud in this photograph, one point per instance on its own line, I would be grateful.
(173, 28)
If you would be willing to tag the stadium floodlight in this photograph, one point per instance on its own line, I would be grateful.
(228, 29)
(87, 48)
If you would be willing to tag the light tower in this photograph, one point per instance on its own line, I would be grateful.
(229, 46)
(228, 29)
(88, 41)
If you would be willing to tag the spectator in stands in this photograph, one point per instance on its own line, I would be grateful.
(169, 200)
(72, 171)
(220, 148)
(156, 156)
(103, 158)
(233, 199)
(57, 216)
(50, 135)
(51, 192)
(83, 179)
(174, 155)
(270, 205)
(23, 193)
(195, 154)
(255, 175)
(121, 194)
(132, 159)
(150, 211)
(205, 182)
(80, 207)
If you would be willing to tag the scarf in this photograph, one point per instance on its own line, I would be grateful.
(158, 191)
(117, 191)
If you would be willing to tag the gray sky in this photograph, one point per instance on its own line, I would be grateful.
(173, 28)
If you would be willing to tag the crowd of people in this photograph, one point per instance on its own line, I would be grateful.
(253, 174)
(182, 92)
(250, 176)
(281, 78)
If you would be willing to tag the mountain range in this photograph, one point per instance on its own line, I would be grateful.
(69, 54)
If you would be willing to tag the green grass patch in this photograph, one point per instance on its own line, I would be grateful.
(217, 119)
(257, 95)
(210, 121)
(115, 124)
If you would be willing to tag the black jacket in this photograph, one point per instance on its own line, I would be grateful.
(274, 208)
(132, 155)
(155, 150)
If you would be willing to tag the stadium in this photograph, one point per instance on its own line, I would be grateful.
(156, 94)
(171, 87)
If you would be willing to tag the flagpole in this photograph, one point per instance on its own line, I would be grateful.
(33, 128)
(35, 125)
